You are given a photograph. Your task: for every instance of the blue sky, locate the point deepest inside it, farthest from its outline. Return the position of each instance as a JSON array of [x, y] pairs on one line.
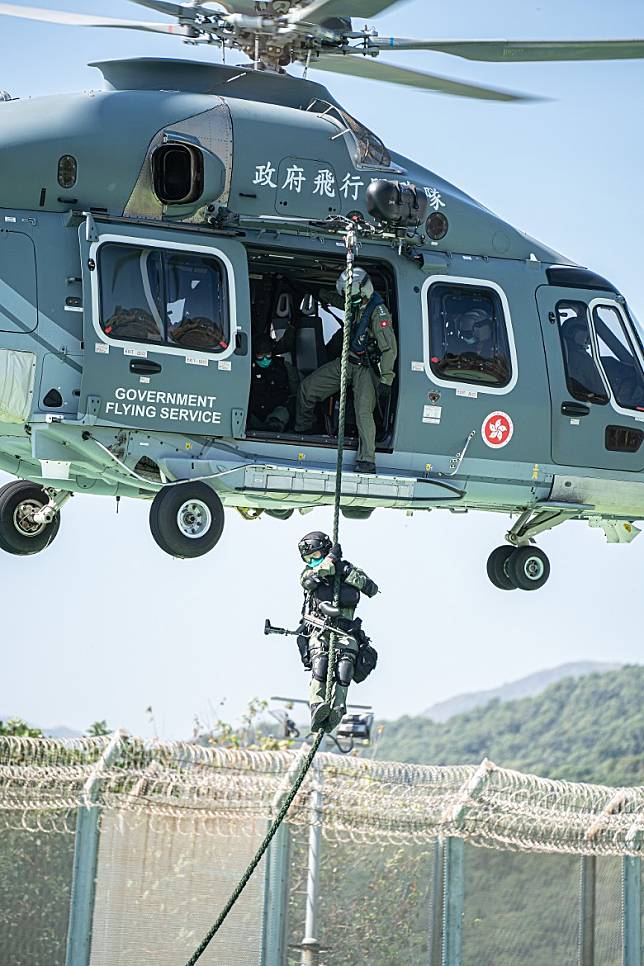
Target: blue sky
[[103, 624]]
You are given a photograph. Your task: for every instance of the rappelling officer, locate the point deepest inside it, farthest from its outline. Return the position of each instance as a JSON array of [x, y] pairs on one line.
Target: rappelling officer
[[323, 561], [371, 373]]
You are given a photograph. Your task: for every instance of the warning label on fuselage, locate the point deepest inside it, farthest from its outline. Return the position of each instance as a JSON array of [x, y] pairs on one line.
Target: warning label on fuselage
[[181, 407]]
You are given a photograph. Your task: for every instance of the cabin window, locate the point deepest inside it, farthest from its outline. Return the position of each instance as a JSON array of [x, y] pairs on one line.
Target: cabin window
[[177, 174], [468, 335], [163, 297], [618, 357], [583, 378]]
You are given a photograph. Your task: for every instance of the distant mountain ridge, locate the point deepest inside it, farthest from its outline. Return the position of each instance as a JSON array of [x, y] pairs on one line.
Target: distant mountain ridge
[[527, 687], [585, 729]]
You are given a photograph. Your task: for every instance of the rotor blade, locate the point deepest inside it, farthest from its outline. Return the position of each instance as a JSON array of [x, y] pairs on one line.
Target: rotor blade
[[372, 70], [83, 20], [165, 6], [518, 50], [320, 10]]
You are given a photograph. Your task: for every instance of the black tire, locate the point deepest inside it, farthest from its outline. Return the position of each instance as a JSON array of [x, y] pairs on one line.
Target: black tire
[[172, 517], [498, 568], [279, 514], [17, 535], [529, 568], [355, 512]]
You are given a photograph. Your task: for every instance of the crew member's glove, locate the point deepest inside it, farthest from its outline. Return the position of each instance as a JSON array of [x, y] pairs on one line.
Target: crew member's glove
[[384, 393], [311, 582], [335, 553]]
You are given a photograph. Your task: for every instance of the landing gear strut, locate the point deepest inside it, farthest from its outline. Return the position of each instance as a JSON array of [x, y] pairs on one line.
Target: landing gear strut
[[29, 517], [519, 565]]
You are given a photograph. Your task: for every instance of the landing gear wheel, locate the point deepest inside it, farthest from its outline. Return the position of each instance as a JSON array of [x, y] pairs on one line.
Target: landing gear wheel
[[355, 512], [280, 514], [19, 532], [528, 568], [187, 521], [498, 568]]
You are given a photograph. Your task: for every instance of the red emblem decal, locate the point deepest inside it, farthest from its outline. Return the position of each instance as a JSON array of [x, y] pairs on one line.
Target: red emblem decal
[[497, 430]]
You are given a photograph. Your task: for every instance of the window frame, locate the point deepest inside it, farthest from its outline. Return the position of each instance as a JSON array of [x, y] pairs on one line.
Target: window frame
[[594, 356], [161, 347], [635, 414], [457, 281]]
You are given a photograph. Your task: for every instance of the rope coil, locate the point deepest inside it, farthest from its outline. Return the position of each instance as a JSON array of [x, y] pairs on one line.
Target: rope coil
[[351, 243]]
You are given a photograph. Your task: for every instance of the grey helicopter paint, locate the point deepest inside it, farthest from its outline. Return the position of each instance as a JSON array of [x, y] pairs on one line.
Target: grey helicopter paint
[[275, 167]]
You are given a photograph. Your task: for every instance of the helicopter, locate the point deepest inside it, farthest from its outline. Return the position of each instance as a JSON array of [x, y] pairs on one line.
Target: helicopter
[[152, 231]]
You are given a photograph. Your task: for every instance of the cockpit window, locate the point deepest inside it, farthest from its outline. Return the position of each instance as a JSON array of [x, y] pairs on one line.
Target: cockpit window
[[619, 358], [372, 152], [170, 298], [468, 336], [583, 378]]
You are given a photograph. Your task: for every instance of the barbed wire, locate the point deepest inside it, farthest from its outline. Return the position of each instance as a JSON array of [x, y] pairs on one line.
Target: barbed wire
[[42, 783]]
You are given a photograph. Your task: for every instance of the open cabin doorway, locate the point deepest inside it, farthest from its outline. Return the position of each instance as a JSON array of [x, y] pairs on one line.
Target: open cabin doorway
[[292, 298]]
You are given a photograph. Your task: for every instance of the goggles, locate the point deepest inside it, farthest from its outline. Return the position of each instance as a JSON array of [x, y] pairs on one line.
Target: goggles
[[314, 555], [264, 358]]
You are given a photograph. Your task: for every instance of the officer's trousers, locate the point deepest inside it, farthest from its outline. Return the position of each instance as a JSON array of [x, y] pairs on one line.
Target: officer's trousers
[[279, 417], [346, 647], [326, 382]]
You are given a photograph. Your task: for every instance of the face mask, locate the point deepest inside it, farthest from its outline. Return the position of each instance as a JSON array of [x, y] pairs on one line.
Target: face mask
[[264, 362], [315, 562]]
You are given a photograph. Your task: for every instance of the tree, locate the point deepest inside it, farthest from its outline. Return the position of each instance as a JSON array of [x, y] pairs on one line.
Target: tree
[[98, 729], [19, 729]]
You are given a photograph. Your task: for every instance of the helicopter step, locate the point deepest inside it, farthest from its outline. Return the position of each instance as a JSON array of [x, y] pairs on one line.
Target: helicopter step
[[29, 517]]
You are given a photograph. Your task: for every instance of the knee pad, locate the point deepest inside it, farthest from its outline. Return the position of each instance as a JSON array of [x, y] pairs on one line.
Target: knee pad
[[344, 670], [321, 668]]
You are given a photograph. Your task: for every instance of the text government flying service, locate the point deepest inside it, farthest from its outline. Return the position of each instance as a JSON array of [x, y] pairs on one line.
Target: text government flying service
[[159, 404]]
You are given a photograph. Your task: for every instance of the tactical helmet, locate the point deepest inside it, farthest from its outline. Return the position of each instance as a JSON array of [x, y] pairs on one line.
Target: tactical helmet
[[263, 345], [575, 331], [470, 323], [362, 284], [315, 542]]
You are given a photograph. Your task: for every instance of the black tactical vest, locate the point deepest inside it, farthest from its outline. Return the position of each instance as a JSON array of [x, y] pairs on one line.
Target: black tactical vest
[[269, 388]]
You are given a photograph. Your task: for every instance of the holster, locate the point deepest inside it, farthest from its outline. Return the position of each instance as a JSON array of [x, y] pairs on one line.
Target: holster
[[303, 646]]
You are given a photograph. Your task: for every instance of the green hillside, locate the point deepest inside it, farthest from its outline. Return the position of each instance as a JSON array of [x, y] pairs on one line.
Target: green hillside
[[589, 729]]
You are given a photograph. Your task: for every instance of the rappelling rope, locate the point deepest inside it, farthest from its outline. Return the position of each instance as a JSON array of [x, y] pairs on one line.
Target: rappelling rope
[[351, 242]]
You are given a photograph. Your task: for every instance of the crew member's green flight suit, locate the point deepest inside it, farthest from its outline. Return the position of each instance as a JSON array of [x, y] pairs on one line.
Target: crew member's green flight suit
[[318, 585], [372, 324]]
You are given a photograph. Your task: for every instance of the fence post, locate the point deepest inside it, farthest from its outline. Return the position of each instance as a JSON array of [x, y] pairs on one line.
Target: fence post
[[311, 942], [276, 878], [587, 910], [276, 898], [436, 931], [81, 908], [453, 901], [632, 910]]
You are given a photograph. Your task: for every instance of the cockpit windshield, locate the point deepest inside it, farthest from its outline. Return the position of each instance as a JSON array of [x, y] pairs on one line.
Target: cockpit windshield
[[619, 357], [371, 150]]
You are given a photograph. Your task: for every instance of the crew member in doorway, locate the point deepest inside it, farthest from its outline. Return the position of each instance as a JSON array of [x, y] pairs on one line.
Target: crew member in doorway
[[354, 657], [273, 388], [371, 370]]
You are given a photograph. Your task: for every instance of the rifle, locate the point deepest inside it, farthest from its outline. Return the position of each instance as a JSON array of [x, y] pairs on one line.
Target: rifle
[[322, 625]]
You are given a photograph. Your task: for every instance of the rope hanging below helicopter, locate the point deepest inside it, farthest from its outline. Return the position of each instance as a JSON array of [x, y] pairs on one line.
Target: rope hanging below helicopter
[[351, 241]]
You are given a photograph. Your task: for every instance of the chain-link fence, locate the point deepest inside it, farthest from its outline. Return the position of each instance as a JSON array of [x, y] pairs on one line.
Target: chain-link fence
[[115, 851]]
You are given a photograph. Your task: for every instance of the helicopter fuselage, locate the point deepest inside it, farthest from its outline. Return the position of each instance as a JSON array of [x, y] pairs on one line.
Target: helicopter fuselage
[[249, 184]]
